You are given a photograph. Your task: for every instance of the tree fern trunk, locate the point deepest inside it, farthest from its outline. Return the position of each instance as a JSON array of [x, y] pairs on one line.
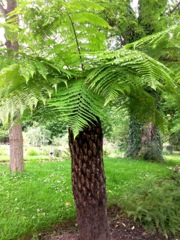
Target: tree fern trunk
[[88, 183], [15, 136]]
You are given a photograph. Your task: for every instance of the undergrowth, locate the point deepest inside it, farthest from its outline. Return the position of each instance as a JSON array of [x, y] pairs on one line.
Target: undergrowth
[[156, 204]]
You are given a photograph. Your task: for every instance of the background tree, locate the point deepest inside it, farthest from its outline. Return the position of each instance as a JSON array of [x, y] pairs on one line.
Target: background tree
[[15, 133], [164, 47], [130, 24]]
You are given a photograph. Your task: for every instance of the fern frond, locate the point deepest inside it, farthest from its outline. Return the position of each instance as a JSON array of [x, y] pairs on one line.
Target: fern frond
[[163, 45], [90, 18], [133, 68], [78, 104], [154, 39], [128, 73], [87, 5], [25, 82], [63, 30]]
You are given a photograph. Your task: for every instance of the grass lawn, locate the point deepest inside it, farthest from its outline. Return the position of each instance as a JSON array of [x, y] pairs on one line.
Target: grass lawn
[[41, 196]]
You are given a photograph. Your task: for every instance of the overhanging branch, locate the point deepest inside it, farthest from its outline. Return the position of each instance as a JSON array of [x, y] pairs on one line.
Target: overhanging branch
[[174, 8]]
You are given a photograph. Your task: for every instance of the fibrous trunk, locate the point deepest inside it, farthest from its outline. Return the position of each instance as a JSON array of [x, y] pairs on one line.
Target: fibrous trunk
[[16, 149], [88, 183], [144, 142]]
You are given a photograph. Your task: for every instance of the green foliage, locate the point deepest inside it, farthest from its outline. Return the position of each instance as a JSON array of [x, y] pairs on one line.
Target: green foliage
[[76, 24], [78, 104], [156, 205], [150, 11], [3, 151], [152, 17], [34, 79], [116, 126], [70, 28], [71, 34], [3, 133], [123, 21], [131, 67], [56, 127], [125, 74], [37, 135], [32, 152], [162, 45]]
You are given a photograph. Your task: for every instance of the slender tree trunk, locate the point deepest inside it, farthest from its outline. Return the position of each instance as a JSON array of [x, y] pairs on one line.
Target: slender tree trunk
[[144, 142], [15, 135], [16, 149], [88, 183]]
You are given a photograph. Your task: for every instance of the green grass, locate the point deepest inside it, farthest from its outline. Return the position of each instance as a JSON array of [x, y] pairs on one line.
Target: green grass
[[41, 196], [28, 158], [34, 200]]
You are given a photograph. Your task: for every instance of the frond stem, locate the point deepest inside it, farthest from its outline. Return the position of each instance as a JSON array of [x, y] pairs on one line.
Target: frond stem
[[76, 39]]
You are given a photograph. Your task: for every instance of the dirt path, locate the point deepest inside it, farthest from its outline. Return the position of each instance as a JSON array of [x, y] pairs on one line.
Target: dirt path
[[121, 227]]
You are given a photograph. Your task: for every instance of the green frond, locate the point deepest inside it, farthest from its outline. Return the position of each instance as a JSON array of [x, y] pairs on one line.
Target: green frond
[[133, 68], [163, 45], [87, 5], [25, 82], [63, 30], [18, 102], [156, 38], [128, 73], [90, 18], [78, 104]]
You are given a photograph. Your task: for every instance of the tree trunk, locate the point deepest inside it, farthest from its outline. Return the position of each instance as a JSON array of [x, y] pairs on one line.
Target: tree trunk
[[134, 138], [16, 149], [88, 183], [144, 142], [15, 135]]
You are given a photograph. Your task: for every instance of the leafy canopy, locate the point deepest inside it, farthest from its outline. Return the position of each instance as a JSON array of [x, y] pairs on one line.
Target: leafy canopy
[[64, 55]]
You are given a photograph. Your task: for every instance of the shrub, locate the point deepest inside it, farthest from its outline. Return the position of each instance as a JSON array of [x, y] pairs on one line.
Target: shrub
[[3, 151], [32, 152], [156, 205], [57, 152]]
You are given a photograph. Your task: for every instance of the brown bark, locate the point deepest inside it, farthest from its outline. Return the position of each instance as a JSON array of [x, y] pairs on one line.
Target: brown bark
[[15, 135], [88, 183], [16, 149], [13, 45]]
